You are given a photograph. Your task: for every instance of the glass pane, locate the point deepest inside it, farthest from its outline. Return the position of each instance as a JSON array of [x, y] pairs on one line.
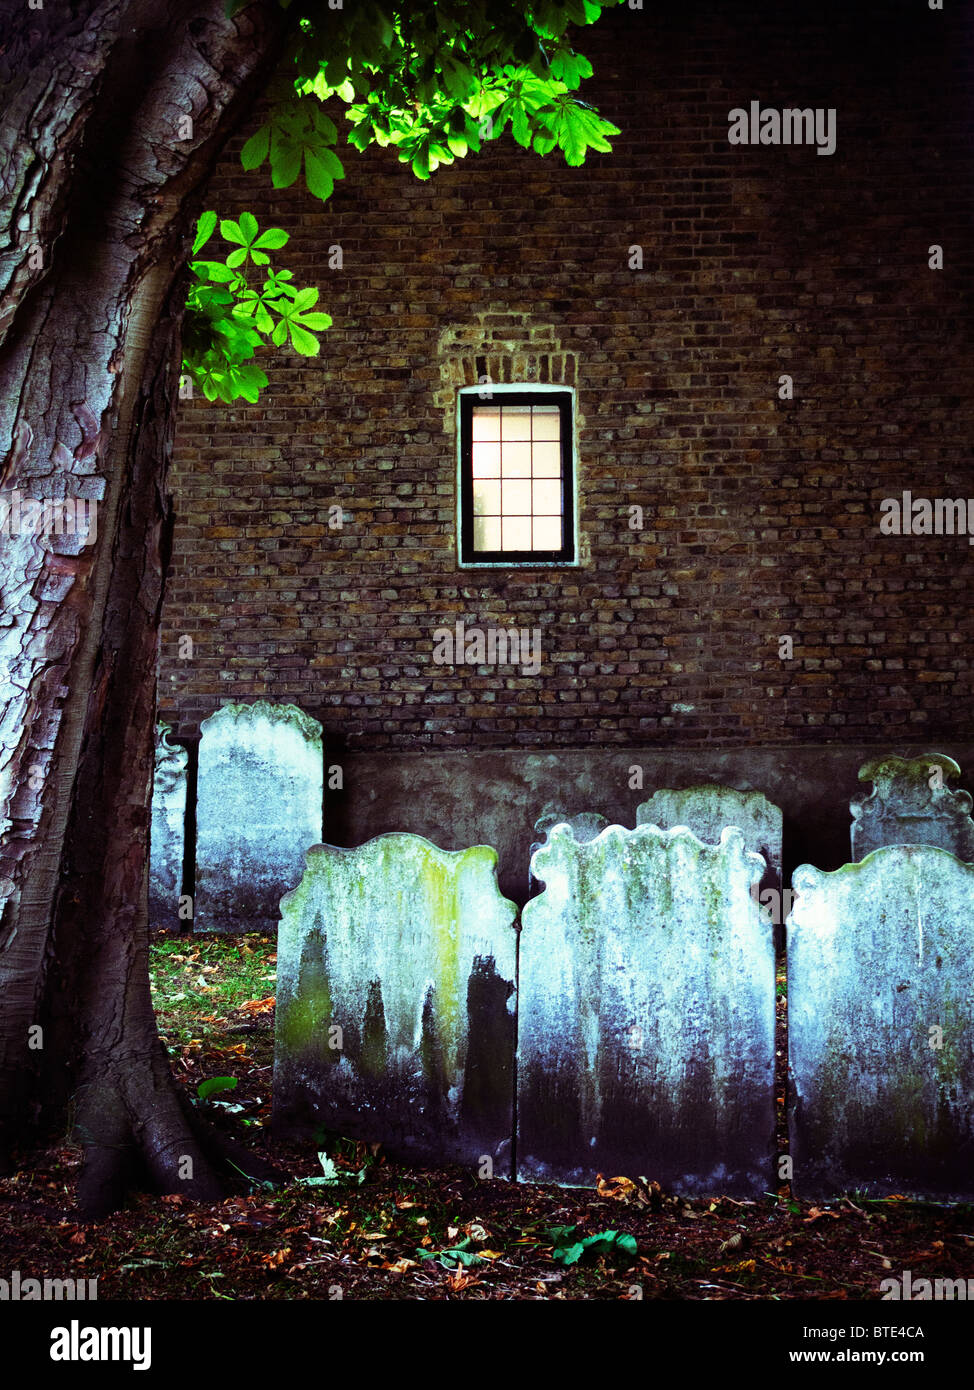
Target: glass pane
[[517, 533], [486, 422], [546, 498], [547, 533], [487, 533], [547, 422], [547, 460], [486, 498], [516, 460], [516, 422], [517, 499], [486, 460]]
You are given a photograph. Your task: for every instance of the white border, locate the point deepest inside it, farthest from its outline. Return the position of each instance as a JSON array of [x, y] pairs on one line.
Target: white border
[[499, 388]]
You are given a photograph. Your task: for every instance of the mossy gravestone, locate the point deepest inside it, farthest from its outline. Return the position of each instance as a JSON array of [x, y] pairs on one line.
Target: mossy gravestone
[[911, 804], [646, 1020], [706, 810], [395, 1001], [880, 1022], [258, 810], [585, 826], [167, 831]]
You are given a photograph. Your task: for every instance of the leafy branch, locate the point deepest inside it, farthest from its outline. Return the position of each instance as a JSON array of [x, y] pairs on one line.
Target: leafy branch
[[228, 318]]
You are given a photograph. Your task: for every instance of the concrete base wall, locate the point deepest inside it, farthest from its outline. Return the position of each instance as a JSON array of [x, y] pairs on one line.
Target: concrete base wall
[[494, 797]]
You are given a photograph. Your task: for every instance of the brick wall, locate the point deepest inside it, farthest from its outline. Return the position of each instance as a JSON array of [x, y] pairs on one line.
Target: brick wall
[[760, 514]]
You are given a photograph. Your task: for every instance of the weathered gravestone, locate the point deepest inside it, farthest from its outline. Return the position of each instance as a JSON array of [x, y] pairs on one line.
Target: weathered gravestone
[[646, 1013], [585, 826], [259, 807], [395, 1000], [706, 810], [880, 1022], [167, 830], [910, 804]]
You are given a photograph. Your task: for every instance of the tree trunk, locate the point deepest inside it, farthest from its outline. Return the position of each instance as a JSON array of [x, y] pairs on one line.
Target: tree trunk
[[99, 197]]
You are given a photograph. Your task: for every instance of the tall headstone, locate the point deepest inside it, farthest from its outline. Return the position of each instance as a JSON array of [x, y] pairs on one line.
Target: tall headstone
[[707, 809], [911, 804], [880, 1021], [259, 808], [646, 1013], [167, 834], [395, 1001]]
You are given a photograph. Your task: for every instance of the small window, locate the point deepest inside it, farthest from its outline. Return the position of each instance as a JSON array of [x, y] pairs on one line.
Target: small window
[[516, 478]]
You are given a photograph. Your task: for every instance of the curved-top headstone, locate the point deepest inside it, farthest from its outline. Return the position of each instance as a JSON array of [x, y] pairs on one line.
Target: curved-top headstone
[[911, 804], [708, 808], [395, 1000], [880, 1021], [259, 808], [167, 834], [646, 1013], [585, 826]]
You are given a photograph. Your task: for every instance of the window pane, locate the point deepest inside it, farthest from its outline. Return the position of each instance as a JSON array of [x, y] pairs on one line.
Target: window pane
[[547, 422], [547, 498], [486, 422], [547, 533], [486, 460], [516, 422], [516, 460], [547, 460], [517, 499], [486, 498], [487, 533], [517, 533]]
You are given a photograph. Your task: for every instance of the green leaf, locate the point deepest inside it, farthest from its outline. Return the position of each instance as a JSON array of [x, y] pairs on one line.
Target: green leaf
[[568, 1250], [216, 1084], [285, 160], [316, 176], [204, 230], [318, 322], [213, 270], [248, 225], [272, 239], [231, 231], [237, 257], [304, 343], [255, 150]]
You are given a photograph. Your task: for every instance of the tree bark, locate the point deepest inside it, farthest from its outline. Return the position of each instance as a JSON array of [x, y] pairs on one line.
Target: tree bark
[[99, 195]]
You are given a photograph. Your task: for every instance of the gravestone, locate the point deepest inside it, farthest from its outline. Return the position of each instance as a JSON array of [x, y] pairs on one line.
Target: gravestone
[[395, 1001], [911, 804], [707, 809], [646, 1013], [259, 808], [880, 1020], [586, 825], [166, 839]]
